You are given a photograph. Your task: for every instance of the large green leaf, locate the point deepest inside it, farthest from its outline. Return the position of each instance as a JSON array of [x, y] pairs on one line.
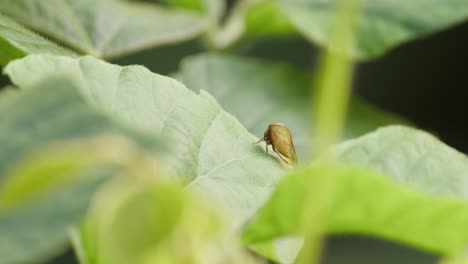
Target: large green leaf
[[420, 200], [105, 28], [260, 93], [17, 42], [56, 150], [383, 24], [209, 148]]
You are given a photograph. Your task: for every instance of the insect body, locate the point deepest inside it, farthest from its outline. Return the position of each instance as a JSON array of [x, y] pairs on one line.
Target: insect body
[[279, 137]]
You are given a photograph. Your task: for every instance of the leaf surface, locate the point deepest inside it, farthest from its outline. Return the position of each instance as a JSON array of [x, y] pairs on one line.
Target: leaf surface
[[17, 42]]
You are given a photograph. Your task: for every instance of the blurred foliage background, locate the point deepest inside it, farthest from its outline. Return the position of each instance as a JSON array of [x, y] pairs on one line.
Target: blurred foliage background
[[423, 81]]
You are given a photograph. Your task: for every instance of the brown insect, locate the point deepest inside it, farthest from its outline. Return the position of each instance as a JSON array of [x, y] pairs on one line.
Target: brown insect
[[279, 137]]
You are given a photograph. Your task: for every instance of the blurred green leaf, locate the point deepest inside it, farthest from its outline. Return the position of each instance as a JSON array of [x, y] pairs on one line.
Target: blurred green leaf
[[105, 28], [258, 13], [188, 4], [145, 222], [214, 8], [259, 93], [43, 173], [37, 231], [383, 24], [56, 151], [17, 42], [421, 200]]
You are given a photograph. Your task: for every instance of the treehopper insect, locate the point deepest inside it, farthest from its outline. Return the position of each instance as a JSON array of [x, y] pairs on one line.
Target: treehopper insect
[[279, 137]]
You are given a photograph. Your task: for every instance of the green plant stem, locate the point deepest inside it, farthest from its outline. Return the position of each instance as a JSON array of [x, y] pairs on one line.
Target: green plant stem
[[334, 79], [331, 103], [314, 216]]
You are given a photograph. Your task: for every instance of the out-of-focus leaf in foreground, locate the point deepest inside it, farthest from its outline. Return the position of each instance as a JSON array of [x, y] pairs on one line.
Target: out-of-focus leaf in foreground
[[136, 221], [17, 42], [56, 151], [420, 200], [259, 93], [383, 24], [105, 28]]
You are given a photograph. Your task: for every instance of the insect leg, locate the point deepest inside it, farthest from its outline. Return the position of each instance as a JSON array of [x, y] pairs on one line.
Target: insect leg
[[266, 148], [274, 149], [279, 154]]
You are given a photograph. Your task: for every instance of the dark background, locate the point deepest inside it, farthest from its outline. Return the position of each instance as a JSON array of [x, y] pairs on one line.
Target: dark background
[[424, 81]]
